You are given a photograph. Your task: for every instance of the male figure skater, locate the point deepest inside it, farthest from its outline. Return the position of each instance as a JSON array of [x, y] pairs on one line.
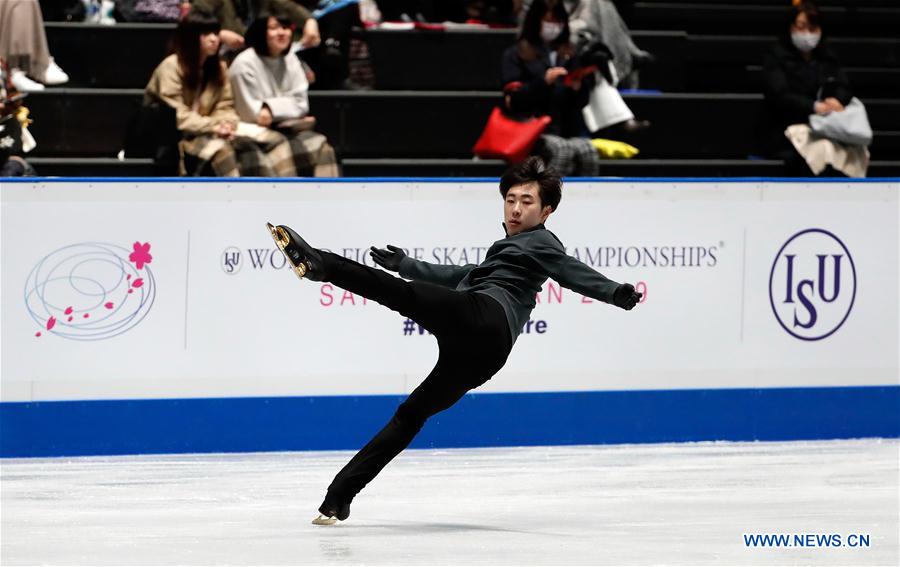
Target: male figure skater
[[475, 312]]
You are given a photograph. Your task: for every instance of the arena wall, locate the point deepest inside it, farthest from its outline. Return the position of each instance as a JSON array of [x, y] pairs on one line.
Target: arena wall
[[156, 316]]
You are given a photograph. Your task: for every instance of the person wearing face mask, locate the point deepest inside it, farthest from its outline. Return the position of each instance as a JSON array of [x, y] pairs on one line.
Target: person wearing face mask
[[540, 61], [599, 20], [540, 74], [801, 77]]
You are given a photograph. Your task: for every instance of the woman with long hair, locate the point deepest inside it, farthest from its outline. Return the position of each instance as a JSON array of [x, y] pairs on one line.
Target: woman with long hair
[[194, 82]]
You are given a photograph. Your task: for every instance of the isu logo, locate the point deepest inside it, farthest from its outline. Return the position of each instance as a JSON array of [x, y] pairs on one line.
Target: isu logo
[[812, 284], [231, 260]]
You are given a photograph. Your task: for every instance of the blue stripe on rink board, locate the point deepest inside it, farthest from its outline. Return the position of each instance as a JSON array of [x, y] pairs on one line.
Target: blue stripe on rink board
[[69, 428]]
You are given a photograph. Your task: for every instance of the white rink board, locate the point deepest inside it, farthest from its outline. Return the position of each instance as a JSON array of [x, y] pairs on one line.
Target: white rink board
[[707, 322]]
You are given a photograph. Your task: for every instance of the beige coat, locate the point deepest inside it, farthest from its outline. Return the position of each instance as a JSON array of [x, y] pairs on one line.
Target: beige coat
[[852, 161], [194, 115]]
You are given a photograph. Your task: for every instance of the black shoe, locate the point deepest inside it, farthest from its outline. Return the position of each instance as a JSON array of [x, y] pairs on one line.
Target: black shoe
[[306, 260]]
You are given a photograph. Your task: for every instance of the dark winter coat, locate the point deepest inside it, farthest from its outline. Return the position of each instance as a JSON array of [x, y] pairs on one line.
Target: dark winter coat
[[792, 85]]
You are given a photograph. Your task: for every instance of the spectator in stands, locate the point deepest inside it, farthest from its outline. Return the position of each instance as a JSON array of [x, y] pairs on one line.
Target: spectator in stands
[[536, 76], [23, 45], [194, 81], [802, 77], [270, 88], [330, 61], [539, 61], [14, 137], [599, 20], [235, 15], [592, 21]]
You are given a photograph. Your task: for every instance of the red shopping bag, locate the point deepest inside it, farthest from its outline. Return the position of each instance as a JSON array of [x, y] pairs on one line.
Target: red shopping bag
[[509, 139]]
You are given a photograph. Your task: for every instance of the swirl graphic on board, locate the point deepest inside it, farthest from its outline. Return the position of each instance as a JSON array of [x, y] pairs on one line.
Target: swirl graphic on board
[[91, 291]]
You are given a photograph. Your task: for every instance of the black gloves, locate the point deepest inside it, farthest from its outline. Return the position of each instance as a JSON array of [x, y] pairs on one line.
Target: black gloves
[[625, 296], [388, 259]]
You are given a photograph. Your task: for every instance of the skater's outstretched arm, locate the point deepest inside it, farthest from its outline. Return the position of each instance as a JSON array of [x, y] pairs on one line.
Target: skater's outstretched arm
[[573, 274], [395, 260]]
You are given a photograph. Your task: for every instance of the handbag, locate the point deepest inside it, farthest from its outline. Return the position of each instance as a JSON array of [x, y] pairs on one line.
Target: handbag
[[509, 139], [850, 126]]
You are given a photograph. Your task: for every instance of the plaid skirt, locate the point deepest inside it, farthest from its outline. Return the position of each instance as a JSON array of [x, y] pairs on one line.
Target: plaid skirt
[[267, 154], [569, 156]]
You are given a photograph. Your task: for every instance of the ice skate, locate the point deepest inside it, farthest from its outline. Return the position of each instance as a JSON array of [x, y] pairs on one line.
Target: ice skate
[[330, 514], [322, 520], [305, 260]]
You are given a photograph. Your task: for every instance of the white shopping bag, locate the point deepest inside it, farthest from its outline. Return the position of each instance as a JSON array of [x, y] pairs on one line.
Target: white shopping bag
[[605, 106]]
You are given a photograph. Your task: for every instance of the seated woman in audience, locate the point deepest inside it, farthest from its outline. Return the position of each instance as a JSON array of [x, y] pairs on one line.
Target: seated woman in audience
[[536, 76], [599, 20], [271, 91], [195, 83], [803, 78]]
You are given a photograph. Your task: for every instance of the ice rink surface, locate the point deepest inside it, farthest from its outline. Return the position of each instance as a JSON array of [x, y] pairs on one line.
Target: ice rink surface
[[578, 505]]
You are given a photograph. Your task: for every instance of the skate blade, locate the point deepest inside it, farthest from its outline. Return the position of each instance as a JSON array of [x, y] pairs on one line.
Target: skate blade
[[324, 521], [281, 240]]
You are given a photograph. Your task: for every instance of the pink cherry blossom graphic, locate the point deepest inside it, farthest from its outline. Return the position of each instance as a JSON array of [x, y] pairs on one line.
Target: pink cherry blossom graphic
[[141, 255], [99, 278]]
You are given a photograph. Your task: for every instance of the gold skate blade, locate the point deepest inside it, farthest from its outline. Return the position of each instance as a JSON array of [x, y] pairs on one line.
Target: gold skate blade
[[282, 239], [279, 235], [324, 521]]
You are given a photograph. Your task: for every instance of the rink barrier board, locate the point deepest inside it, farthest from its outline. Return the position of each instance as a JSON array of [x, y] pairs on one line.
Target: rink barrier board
[[176, 422], [161, 426]]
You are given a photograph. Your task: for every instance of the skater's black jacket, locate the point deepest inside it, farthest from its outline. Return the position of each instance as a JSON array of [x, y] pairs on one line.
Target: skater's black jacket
[[513, 272]]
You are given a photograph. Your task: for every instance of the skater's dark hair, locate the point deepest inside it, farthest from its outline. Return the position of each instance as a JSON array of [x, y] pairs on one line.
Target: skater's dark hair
[[534, 169], [256, 36], [186, 45]]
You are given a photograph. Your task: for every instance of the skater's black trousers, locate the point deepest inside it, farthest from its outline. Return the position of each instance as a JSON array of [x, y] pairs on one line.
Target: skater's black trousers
[[473, 341]]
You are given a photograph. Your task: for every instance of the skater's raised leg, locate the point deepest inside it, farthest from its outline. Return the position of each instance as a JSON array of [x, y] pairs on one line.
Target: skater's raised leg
[[431, 306]]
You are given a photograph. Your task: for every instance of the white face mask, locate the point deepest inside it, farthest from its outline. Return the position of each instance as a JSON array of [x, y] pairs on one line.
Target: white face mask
[[550, 31], [805, 41]]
